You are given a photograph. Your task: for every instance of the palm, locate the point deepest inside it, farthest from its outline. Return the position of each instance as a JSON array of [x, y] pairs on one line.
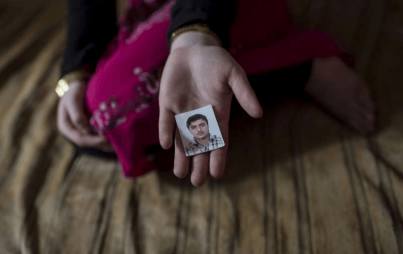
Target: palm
[[193, 78]]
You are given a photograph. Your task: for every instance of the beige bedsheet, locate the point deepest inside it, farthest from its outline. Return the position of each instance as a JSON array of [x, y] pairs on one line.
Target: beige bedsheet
[[296, 180]]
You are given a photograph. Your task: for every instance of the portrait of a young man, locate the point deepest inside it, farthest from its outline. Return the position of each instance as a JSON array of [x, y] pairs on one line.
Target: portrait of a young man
[[203, 140]]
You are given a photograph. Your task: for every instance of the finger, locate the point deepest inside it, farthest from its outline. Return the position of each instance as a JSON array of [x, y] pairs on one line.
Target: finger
[[61, 115], [87, 140], [244, 92], [181, 162], [200, 164], [107, 148], [166, 125], [218, 159], [78, 117], [69, 131]]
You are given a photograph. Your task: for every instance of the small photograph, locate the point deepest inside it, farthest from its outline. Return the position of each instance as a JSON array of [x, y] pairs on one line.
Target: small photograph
[[199, 131]]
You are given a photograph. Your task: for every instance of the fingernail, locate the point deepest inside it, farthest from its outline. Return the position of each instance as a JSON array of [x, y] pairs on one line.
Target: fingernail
[[181, 176]]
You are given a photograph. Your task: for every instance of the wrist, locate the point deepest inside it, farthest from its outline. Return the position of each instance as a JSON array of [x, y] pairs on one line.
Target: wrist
[[77, 83], [194, 38], [73, 78]]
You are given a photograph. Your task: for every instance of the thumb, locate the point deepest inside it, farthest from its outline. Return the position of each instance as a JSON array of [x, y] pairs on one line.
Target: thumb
[[78, 118], [244, 93]]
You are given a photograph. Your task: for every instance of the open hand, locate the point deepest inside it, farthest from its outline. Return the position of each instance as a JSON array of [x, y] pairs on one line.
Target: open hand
[[194, 77]]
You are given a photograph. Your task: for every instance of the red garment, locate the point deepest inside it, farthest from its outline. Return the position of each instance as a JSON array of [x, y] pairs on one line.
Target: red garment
[[122, 96]]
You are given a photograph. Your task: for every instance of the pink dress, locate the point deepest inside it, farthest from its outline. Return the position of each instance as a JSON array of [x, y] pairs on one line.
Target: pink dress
[[122, 95]]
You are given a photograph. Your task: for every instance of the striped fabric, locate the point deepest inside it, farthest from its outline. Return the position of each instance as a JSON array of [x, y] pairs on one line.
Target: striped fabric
[[300, 183], [194, 147]]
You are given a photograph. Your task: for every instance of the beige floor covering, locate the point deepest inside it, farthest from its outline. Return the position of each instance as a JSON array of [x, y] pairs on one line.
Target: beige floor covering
[[296, 180]]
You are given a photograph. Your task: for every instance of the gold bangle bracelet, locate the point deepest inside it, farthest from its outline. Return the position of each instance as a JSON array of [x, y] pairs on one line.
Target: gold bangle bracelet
[[63, 83], [203, 28]]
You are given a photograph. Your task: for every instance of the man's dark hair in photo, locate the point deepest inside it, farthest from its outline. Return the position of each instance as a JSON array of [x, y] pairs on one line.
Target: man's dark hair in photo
[[195, 118]]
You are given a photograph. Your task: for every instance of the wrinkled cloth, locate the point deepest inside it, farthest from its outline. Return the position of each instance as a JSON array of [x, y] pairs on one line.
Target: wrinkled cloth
[[92, 24]]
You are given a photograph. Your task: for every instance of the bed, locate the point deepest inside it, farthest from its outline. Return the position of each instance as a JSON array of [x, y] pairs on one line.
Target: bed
[[299, 183]]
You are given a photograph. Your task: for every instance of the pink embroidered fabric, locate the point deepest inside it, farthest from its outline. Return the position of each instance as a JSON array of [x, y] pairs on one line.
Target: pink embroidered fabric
[[122, 95]]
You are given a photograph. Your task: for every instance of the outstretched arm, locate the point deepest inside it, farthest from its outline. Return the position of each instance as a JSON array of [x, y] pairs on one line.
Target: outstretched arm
[[199, 72]]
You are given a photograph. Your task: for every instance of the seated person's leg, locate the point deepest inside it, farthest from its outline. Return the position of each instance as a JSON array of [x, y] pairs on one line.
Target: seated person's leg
[[343, 93], [278, 84], [330, 82]]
